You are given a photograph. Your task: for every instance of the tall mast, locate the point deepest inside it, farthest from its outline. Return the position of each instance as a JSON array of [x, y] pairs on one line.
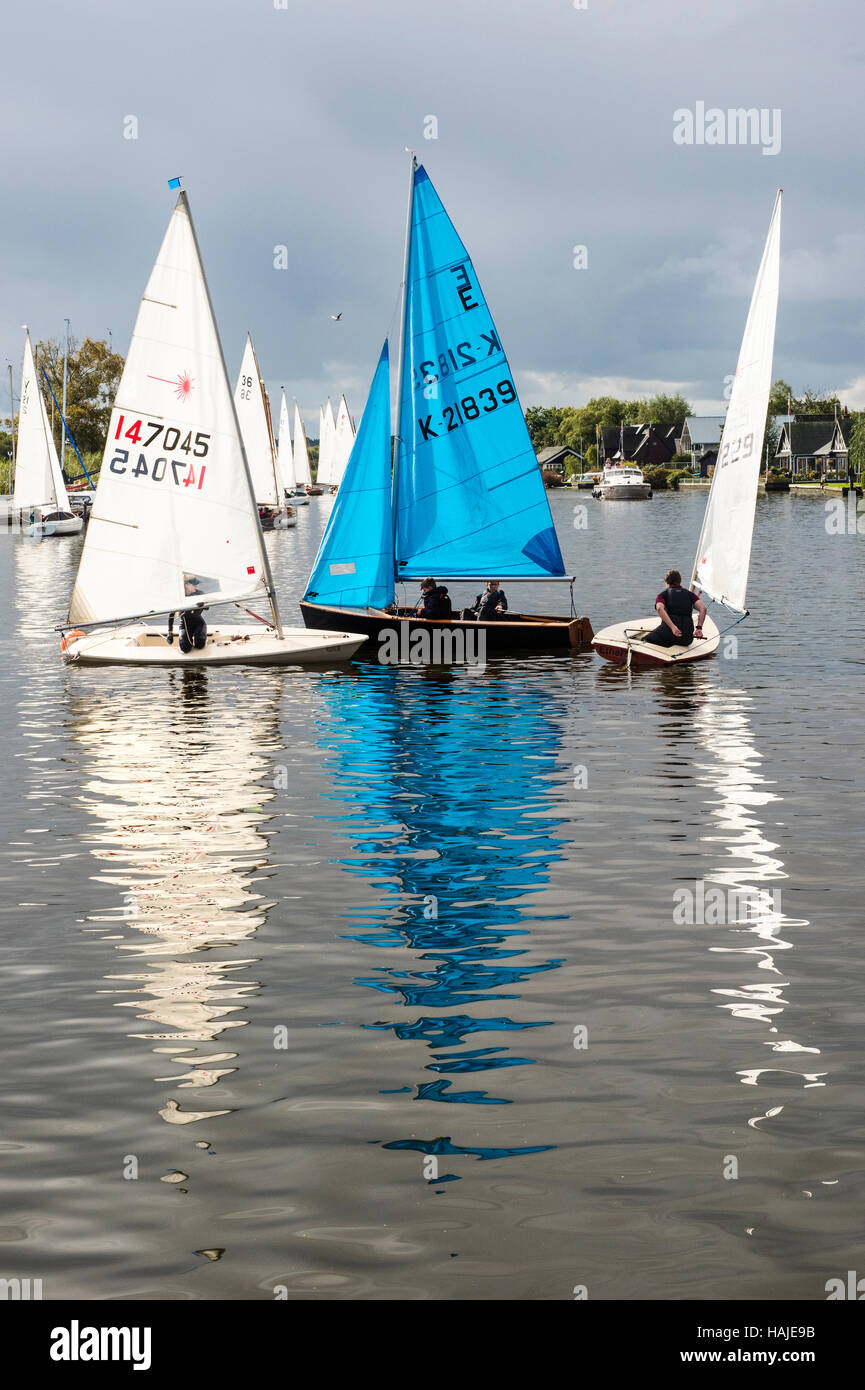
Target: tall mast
[[401, 361], [63, 431], [262, 551], [12, 422]]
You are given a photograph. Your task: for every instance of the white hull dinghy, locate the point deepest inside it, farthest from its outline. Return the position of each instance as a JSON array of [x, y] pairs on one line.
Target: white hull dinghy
[[40, 502], [622, 643], [175, 527], [723, 554], [227, 644]]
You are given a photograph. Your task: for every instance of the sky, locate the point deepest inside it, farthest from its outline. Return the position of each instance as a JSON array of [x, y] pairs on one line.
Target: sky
[[545, 126]]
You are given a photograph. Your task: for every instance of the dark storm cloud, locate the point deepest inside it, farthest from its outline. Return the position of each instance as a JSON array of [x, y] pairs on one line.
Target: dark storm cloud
[[555, 129]]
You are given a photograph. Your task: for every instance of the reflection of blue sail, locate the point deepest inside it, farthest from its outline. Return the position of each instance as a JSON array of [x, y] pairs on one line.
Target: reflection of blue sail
[[471, 499], [417, 796], [354, 564]]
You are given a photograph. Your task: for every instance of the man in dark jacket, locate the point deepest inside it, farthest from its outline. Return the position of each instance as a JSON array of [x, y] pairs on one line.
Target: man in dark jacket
[[675, 606], [491, 604], [434, 601]]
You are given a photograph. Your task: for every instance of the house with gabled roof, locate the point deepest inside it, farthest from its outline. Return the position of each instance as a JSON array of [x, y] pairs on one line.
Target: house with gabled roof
[[815, 444], [699, 434], [648, 445]]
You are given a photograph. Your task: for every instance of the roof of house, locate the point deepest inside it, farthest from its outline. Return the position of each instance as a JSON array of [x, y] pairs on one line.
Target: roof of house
[[705, 429], [813, 436], [556, 451]]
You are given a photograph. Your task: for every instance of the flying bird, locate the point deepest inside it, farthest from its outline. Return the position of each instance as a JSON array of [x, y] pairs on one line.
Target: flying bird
[[336, 317]]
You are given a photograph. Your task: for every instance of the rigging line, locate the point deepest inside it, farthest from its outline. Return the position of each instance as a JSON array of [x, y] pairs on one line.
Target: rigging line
[[68, 430]]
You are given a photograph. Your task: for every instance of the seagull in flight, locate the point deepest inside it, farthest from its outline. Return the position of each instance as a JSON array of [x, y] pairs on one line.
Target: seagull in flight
[[336, 317]]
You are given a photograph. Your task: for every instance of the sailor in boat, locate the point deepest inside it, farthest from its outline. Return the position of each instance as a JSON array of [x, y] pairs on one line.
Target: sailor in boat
[[491, 604], [675, 606], [193, 628], [434, 601]]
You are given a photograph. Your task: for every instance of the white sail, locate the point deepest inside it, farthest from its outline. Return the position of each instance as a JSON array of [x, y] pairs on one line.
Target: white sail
[[724, 552], [252, 413], [35, 478], [285, 458], [326, 441], [343, 440], [174, 505], [301, 454], [60, 496]]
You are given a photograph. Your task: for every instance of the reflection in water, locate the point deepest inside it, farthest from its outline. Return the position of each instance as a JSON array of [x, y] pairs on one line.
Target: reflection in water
[[454, 838], [174, 788], [752, 869]]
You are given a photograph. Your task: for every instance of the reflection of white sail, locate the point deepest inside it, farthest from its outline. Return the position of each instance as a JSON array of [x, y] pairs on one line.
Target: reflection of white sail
[[750, 875], [176, 805]]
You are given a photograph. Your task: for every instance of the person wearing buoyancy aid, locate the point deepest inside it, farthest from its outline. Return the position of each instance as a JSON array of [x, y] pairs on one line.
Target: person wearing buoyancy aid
[[675, 607], [434, 601]]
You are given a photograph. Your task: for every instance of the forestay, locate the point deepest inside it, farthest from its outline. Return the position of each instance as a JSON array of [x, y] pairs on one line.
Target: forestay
[[284, 457], [252, 414], [301, 453], [470, 496], [173, 508], [354, 564], [36, 472], [724, 551]]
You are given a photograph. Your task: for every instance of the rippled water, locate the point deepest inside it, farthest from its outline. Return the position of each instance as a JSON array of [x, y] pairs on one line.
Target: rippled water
[[307, 952]]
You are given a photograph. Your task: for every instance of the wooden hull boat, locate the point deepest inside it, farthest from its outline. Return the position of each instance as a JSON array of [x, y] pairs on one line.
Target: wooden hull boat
[[528, 632], [620, 643], [314, 491], [138, 644]]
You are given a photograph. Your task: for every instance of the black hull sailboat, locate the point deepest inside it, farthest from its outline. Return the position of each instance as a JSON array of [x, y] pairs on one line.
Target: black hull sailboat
[[462, 499], [519, 632]]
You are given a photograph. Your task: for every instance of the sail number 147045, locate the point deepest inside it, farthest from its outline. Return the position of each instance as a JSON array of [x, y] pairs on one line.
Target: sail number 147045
[[146, 434]]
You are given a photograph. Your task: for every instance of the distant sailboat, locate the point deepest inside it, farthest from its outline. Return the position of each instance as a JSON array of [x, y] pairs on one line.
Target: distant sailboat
[[724, 548], [301, 456], [325, 473], [175, 526], [344, 434], [468, 501], [39, 498], [253, 413], [285, 459]]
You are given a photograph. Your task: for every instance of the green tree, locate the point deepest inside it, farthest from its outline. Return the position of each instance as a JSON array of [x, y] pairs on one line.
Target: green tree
[[662, 410], [857, 444], [544, 422], [93, 376]]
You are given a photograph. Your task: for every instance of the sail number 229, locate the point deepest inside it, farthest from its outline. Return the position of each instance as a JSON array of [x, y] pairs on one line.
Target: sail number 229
[[736, 450]]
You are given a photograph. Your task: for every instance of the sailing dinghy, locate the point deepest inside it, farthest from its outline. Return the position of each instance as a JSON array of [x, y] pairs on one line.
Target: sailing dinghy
[[344, 434], [723, 554], [301, 457], [253, 413], [175, 524], [467, 501], [285, 460], [39, 497], [325, 472]]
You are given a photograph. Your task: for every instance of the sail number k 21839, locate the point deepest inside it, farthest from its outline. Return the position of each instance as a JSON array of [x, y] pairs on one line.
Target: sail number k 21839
[[469, 408]]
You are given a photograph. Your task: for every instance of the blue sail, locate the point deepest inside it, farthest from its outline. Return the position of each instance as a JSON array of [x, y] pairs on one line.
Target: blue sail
[[354, 564], [470, 497]]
